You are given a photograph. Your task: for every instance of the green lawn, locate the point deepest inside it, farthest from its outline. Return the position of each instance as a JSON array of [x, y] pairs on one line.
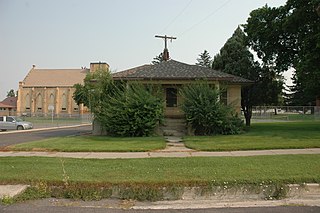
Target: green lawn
[[163, 171], [93, 144], [284, 135], [39, 120]]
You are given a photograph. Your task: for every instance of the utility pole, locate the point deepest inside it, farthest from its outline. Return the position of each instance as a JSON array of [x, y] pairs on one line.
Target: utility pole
[[165, 55]]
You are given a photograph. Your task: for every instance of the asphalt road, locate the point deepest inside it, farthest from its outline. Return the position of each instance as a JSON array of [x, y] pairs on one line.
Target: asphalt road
[[25, 136], [24, 208]]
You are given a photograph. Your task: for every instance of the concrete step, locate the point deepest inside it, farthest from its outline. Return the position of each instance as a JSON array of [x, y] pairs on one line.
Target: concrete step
[[174, 127], [170, 121], [172, 139], [173, 133], [176, 144], [179, 129]]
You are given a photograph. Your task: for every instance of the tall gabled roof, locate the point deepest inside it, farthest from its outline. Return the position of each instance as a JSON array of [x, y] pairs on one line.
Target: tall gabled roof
[[174, 70], [54, 77]]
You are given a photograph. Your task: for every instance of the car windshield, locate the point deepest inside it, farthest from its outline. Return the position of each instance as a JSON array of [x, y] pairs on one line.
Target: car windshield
[[18, 119]]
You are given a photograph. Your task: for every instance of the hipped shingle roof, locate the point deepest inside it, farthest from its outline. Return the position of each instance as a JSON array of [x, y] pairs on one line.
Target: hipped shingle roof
[[174, 70]]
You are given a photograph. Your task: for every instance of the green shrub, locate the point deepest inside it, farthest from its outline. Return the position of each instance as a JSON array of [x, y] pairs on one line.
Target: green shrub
[[131, 110], [206, 114], [123, 109]]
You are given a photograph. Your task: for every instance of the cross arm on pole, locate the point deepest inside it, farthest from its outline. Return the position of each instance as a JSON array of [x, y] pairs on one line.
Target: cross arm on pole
[[165, 37]]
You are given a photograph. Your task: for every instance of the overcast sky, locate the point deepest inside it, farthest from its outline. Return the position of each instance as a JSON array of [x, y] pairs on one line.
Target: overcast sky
[[73, 33]]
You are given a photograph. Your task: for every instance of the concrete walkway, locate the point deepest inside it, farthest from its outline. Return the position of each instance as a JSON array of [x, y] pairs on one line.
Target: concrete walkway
[[175, 148], [176, 152]]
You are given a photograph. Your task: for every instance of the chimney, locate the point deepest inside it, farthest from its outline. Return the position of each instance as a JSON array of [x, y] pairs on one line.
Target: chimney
[[94, 66], [165, 55], [33, 66]]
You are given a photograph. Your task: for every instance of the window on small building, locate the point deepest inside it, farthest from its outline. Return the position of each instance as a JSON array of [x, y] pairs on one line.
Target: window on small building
[[224, 97], [171, 97]]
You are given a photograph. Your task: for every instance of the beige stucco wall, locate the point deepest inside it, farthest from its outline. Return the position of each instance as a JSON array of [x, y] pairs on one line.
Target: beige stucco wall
[[234, 97], [233, 94], [174, 112]]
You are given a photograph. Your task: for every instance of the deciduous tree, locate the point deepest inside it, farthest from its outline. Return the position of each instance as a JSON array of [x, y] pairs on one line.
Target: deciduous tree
[[289, 36]]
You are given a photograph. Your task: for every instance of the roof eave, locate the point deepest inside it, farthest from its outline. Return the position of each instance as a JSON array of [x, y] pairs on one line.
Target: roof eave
[[174, 78]]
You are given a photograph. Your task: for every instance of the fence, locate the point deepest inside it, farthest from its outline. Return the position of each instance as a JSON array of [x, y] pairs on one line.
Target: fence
[[44, 121], [286, 112]]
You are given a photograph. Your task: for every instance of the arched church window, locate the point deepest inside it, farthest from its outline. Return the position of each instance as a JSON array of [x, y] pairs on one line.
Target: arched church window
[[51, 100], [39, 102], [75, 106], [28, 105], [64, 102]]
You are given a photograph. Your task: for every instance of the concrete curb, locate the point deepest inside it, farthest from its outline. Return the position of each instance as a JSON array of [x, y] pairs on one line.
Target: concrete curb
[[206, 204], [307, 194], [43, 129]]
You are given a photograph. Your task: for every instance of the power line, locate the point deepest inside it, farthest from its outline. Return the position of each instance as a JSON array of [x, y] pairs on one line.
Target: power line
[[175, 18], [204, 19]]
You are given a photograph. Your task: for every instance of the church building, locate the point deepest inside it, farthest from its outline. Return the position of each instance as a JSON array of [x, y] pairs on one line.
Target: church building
[[45, 90]]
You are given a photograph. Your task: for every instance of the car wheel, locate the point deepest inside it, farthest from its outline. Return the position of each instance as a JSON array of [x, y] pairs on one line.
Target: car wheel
[[20, 128]]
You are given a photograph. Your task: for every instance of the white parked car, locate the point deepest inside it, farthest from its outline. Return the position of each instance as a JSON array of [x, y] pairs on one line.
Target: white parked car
[[13, 122]]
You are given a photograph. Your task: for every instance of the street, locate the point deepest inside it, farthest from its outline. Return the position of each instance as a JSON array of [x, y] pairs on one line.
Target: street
[[26, 208], [27, 136]]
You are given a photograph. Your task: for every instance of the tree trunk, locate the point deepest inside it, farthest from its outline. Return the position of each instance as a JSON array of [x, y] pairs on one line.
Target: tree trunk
[[248, 121], [247, 114]]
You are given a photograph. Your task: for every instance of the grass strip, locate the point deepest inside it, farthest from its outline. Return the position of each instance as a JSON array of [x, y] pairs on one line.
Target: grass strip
[[262, 136], [93, 144], [162, 171]]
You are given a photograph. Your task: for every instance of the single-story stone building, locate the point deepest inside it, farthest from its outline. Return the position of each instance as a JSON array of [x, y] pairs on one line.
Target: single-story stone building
[[171, 75]]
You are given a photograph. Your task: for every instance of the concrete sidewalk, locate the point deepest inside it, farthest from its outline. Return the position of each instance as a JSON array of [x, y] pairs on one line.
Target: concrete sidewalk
[[160, 153]]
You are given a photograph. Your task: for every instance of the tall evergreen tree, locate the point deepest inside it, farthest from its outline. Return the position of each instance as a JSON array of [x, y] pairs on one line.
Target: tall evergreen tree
[[11, 93], [158, 59], [235, 58], [204, 59]]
